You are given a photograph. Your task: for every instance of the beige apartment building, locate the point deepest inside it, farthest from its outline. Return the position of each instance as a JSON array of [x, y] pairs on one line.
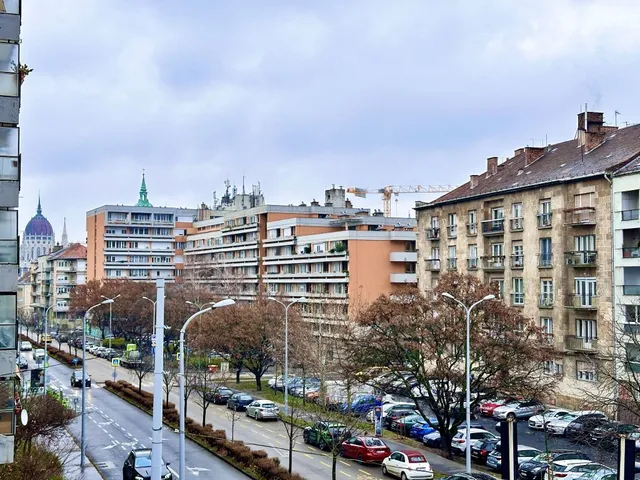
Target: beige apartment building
[[336, 256], [539, 225]]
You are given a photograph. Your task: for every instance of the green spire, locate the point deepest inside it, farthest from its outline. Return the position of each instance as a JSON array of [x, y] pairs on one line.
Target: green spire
[[143, 201]]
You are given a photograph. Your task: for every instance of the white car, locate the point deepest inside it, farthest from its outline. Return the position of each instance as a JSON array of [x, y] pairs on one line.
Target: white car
[[407, 464], [385, 407], [558, 426], [517, 410], [537, 422], [25, 346], [571, 469], [38, 355], [262, 410], [459, 440]]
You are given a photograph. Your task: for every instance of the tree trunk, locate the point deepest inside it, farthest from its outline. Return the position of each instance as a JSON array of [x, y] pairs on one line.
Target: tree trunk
[[139, 384], [167, 391], [258, 382], [185, 400], [291, 433], [333, 467], [238, 370], [204, 413]]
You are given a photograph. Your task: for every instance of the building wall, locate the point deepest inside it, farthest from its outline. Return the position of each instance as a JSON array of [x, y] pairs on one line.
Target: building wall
[[569, 351]]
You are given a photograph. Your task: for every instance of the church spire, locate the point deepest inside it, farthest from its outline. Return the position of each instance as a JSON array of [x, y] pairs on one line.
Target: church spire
[[143, 201], [65, 238], [39, 210]]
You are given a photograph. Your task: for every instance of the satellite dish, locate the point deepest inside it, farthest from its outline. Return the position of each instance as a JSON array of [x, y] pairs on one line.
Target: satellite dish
[[24, 417]]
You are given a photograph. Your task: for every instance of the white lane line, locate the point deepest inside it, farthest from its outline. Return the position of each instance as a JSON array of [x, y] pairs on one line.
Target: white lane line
[[123, 447], [116, 424], [110, 436], [172, 471], [135, 439]]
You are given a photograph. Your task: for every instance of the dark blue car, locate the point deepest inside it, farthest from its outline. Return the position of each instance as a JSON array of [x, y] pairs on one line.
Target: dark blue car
[[421, 429], [360, 405], [239, 401]]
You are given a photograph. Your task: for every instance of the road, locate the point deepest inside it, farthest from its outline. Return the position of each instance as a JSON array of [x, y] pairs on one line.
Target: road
[[114, 427]]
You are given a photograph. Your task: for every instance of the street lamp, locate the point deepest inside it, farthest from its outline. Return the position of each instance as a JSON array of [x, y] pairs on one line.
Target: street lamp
[[222, 303], [83, 436], [46, 338], [468, 372], [153, 329], [110, 315], [285, 380]]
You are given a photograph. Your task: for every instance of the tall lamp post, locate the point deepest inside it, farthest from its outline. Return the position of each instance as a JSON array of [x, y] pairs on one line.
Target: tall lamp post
[[285, 380], [110, 316], [83, 436], [222, 303], [46, 334], [154, 311], [468, 372]]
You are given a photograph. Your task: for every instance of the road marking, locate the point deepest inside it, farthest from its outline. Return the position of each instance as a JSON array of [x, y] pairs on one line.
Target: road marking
[[135, 440], [110, 436], [307, 455], [175, 474], [281, 435], [123, 447], [325, 464], [345, 463], [364, 471], [346, 474], [116, 424]]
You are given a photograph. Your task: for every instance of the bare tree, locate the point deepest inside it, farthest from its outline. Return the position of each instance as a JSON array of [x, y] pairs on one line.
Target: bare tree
[[169, 378], [233, 415], [206, 385], [142, 369], [292, 422]]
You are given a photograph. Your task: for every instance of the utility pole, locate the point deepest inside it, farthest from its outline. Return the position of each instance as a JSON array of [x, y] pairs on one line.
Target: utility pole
[[110, 317], [156, 442]]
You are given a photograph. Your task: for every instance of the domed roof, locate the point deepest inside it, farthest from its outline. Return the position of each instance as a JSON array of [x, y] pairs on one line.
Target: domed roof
[[39, 225]]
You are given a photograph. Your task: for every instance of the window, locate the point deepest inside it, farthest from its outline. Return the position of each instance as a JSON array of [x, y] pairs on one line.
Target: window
[[9, 251], [518, 291], [339, 288], [497, 213], [435, 253], [273, 233], [517, 254], [544, 217], [473, 256], [551, 367], [585, 243], [586, 329], [516, 216], [435, 222], [546, 293], [452, 257], [410, 246], [497, 252], [8, 311], [585, 292], [632, 313], [546, 323], [453, 225], [584, 200], [545, 258], [286, 232], [500, 284], [586, 371], [472, 225]]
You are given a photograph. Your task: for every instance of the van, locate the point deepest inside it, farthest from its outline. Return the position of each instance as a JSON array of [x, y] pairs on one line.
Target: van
[[46, 338]]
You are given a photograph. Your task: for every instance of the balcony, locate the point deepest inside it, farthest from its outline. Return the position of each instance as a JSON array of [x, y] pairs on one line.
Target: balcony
[[493, 263], [586, 258], [403, 278], [432, 234], [517, 261], [452, 264], [579, 344], [472, 229], [576, 217], [546, 300], [631, 289], [544, 220], [631, 328], [493, 227], [517, 224], [472, 263], [546, 339], [545, 260], [581, 302], [452, 231], [403, 257], [517, 299], [433, 264], [628, 215], [630, 252]]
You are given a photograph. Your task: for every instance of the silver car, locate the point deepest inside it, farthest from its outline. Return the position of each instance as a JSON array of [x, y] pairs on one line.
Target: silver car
[[262, 410]]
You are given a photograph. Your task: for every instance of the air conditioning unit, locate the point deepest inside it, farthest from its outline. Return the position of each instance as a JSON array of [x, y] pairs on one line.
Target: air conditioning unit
[[571, 261]]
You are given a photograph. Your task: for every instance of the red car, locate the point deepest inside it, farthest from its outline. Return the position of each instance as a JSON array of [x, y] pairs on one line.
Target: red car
[[487, 408], [365, 449]]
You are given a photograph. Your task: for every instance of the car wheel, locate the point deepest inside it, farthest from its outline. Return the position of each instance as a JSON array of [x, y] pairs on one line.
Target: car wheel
[[384, 470], [305, 437], [511, 416], [259, 416], [322, 445], [359, 459], [403, 476]]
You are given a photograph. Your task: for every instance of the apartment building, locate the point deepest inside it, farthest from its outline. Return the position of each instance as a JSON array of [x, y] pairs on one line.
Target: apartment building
[[334, 255], [539, 226], [139, 242]]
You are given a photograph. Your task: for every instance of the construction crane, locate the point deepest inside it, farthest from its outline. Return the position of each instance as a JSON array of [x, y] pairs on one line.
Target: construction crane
[[390, 190]]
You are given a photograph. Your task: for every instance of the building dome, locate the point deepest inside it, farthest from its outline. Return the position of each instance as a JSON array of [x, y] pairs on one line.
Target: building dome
[[39, 225]]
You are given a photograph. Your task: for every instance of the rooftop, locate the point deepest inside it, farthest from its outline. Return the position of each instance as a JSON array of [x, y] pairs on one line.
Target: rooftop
[[73, 251]]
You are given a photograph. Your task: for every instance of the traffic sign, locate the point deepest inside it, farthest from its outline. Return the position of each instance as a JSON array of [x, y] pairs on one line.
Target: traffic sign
[[115, 362], [75, 360]]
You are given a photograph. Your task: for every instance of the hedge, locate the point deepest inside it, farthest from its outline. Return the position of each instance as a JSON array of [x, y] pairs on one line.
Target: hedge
[[118, 343], [215, 441], [56, 353]]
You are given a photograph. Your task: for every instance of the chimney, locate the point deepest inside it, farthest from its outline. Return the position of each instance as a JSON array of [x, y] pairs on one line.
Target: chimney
[[473, 181], [518, 152], [591, 129], [531, 154], [348, 203], [315, 203], [492, 166]]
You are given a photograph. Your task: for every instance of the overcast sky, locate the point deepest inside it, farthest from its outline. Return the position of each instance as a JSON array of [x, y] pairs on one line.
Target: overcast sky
[[299, 95]]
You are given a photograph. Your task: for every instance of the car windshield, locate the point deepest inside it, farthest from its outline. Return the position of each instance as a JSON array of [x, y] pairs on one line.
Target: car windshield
[[569, 418], [268, 405], [143, 462], [542, 457], [336, 431], [244, 397], [417, 459], [374, 442]]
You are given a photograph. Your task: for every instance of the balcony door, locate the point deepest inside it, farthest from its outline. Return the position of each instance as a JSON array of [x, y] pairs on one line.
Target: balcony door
[[585, 246], [586, 291], [497, 255], [587, 330]]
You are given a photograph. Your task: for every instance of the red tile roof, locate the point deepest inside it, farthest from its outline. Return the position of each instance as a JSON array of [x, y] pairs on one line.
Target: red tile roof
[[561, 162], [73, 251], [25, 277]]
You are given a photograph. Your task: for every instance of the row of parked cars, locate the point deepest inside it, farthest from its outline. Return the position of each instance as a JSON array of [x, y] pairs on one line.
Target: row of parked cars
[[103, 352]]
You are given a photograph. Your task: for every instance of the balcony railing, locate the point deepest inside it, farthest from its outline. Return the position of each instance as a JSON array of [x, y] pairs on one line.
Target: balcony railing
[[546, 338], [517, 299], [546, 300], [494, 262], [544, 220], [579, 344], [630, 252], [632, 328], [517, 261], [493, 227], [452, 231], [585, 258], [452, 264], [545, 260], [517, 224], [433, 264], [628, 215], [581, 301], [472, 228], [472, 263], [580, 216], [631, 289], [433, 233]]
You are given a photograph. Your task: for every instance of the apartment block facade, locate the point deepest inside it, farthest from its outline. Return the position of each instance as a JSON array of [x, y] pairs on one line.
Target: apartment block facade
[[538, 225], [139, 242], [334, 255]]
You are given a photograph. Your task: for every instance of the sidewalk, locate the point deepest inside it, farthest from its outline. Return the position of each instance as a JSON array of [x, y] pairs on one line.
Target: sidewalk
[[69, 453]]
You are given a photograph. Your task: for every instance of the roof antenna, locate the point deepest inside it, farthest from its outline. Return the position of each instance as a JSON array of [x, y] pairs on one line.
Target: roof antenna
[[615, 116]]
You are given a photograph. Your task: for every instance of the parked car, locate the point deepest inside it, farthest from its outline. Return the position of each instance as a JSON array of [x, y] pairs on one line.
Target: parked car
[[38, 355], [360, 404], [608, 434], [22, 363], [559, 426], [262, 410], [76, 379], [403, 425], [481, 450], [25, 346], [137, 466], [538, 422], [535, 468], [99, 351], [239, 401], [517, 410], [422, 428], [433, 439], [487, 407], [494, 459], [219, 396], [324, 434], [407, 464], [459, 440], [470, 476], [386, 407], [365, 449], [570, 469], [396, 414], [579, 429], [604, 473]]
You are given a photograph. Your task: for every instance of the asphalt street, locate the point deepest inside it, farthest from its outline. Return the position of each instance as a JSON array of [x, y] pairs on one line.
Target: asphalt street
[[114, 427]]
